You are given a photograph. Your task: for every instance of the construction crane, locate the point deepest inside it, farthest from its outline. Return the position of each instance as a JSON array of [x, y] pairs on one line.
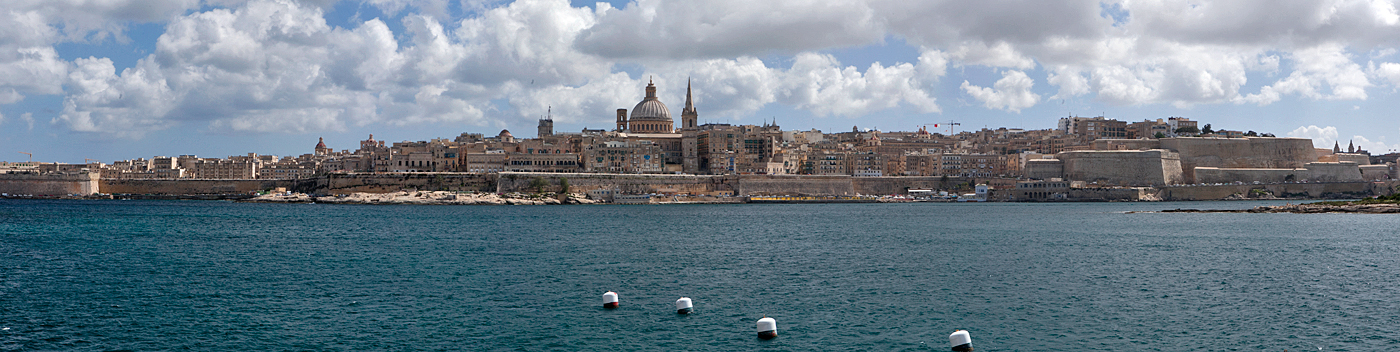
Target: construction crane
[[31, 156], [949, 124]]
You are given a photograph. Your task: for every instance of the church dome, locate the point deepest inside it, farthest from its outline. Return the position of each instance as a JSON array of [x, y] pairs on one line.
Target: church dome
[[651, 108]]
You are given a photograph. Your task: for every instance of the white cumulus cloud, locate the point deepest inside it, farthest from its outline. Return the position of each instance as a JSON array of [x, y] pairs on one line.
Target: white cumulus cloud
[[1011, 93], [1322, 137]]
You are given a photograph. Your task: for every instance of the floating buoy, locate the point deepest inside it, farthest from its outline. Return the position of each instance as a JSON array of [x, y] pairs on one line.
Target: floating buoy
[[961, 341], [610, 300], [683, 305], [767, 328]]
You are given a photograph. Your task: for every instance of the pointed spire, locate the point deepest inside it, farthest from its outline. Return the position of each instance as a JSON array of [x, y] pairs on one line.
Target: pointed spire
[[688, 104]]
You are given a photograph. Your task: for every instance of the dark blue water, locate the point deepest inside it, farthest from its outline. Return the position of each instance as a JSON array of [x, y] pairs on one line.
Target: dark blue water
[[189, 275]]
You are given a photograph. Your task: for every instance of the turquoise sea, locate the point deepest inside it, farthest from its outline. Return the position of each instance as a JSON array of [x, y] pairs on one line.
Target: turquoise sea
[[222, 276]]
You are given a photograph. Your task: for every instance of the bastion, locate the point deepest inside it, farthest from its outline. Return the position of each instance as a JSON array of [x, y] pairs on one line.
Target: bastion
[[1153, 167]]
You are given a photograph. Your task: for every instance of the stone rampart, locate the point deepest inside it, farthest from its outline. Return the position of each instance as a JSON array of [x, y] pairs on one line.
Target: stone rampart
[[1127, 144], [1218, 175], [1359, 159], [795, 185], [1291, 190], [1333, 172], [1122, 167], [899, 185], [1375, 172], [83, 183], [1044, 169], [189, 186], [739, 185], [1250, 152], [345, 183], [1112, 194], [622, 183]]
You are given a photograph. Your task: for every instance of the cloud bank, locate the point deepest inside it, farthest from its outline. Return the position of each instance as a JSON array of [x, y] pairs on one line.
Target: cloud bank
[[258, 66]]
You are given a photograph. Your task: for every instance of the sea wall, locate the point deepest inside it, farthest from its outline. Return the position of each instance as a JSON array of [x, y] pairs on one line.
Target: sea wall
[[622, 183], [795, 185], [1292, 190], [189, 186], [739, 185], [1218, 175], [345, 183], [81, 183]]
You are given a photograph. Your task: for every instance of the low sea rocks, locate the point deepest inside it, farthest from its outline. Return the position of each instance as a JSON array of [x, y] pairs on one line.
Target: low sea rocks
[[1310, 208]]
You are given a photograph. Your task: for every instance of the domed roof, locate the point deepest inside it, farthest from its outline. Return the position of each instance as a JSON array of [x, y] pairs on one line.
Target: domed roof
[[504, 133], [321, 143], [651, 108]]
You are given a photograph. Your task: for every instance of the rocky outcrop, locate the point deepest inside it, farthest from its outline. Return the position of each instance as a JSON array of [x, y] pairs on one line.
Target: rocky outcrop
[[1312, 208]]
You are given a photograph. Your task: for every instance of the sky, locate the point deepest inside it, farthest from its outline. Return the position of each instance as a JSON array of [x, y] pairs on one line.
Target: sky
[[122, 79]]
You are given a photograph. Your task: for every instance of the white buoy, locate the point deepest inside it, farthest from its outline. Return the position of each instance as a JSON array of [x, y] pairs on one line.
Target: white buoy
[[683, 306], [610, 300], [767, 328], [961, 341]]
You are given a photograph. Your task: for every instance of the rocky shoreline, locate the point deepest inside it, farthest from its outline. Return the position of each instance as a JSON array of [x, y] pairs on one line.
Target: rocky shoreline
[[1311, 208], [424, 198]]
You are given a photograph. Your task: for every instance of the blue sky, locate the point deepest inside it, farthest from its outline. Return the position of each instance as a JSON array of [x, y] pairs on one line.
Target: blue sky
[[123, 79]]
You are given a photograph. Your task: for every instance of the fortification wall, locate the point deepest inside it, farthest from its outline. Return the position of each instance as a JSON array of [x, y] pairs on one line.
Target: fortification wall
[[1375, 172], [1127, 144], [895, 185], [744, 185], [1043, 169], [1310, 190], [1219, 175], [189, 186], [1112, 194], [49, 185], [1359, 159], [1250, 152], [1122, 167], [344, 183], [796, 185], [1333, 172], [623, 183]]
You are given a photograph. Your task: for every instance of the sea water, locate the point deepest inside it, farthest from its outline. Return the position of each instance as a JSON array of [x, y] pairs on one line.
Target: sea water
[[211, 275]]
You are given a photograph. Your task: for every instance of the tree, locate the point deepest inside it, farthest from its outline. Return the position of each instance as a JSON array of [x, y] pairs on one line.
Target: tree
[[1251, 134], [1188, 130], [1159, 135], [1207, 130], [1270, 135], [563, 185], [538, 184]]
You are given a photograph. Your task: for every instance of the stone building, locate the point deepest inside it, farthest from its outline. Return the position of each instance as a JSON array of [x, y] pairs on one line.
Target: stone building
[[619, 155]]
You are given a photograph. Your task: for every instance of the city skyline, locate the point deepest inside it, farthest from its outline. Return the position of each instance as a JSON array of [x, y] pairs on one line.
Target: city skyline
[[136, 79]]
